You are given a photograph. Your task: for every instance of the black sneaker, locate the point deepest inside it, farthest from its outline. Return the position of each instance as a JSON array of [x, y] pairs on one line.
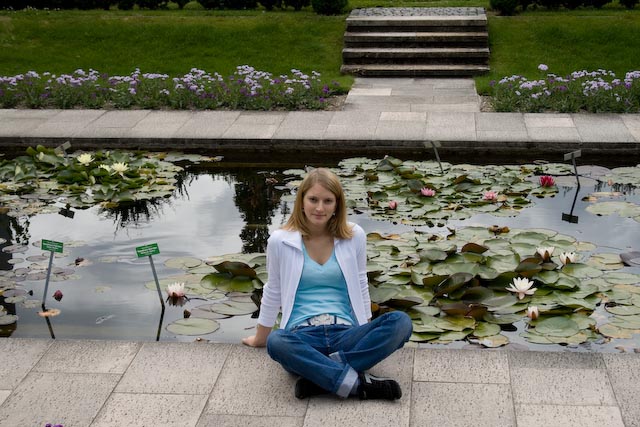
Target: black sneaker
[[372, 387], [306, 388]]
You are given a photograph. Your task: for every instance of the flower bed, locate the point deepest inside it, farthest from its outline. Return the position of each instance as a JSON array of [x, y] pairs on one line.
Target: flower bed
[[246, 89], [581, 91]]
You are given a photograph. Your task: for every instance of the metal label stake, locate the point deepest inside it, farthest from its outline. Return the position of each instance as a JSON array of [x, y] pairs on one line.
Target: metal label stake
[[434, 145], [150, 250], [53, 247], [573, 156]]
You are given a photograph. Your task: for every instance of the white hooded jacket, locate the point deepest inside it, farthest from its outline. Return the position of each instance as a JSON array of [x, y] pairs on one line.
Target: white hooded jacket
[[284, 267]]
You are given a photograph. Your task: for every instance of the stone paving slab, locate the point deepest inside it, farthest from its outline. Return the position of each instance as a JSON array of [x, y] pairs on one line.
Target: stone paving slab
[[461, 366], [564, 386], [208, 124], [252, 384], [3, 395], [209, 420], [405, 130], [174, 368], [459, 405], [140, 410], [203, 384], [602, 128], [18, 357], [332, 411], [89, 356], [568, 416], [58, 397], [624, 373]]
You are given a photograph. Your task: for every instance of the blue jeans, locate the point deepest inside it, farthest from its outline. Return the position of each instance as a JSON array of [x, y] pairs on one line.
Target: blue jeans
[[331, 356]]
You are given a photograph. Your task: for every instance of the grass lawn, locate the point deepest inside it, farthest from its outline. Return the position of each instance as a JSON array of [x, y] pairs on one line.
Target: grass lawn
[[173, 41], [566, 41]]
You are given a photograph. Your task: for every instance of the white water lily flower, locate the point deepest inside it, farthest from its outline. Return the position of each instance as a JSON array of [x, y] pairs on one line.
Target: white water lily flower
[[532, 312], [175, 290], [522, 287], [545, 252], [567, 257], [85, 159], [105, 167], [120, 167]]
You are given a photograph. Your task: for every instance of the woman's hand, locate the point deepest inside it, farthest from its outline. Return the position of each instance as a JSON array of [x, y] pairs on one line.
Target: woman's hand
[[253, 341], [259, 339]]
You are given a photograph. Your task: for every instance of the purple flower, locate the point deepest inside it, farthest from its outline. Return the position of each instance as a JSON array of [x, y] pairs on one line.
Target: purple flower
[[543, 67]]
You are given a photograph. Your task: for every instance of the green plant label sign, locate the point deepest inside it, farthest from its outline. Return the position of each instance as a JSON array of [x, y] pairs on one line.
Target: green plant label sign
[[50, 245], [148, 250]]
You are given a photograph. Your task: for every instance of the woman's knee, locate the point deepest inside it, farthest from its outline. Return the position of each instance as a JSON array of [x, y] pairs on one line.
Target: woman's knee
[[402, 322], [275, 343]]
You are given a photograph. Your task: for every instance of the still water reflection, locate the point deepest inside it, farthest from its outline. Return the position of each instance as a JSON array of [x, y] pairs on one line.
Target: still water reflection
[[214, 213]]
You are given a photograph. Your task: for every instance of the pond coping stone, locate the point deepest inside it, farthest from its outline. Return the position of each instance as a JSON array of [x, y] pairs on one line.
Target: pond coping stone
[[204, 383]]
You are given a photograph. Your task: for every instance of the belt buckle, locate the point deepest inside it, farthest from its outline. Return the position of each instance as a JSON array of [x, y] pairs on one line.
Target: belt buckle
[[321, 319]]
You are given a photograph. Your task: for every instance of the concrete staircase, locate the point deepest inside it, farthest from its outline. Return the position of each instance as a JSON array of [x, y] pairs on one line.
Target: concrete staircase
[[414, 42]]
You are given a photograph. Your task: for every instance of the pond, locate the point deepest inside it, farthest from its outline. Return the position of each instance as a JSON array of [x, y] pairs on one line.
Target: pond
[[221, 211]]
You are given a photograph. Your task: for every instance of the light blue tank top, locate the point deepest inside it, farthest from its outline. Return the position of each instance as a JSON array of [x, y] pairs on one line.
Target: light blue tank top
[[322, 289]]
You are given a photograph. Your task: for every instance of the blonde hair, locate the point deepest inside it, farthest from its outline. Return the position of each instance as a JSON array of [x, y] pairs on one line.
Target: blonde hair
[[337, 225]]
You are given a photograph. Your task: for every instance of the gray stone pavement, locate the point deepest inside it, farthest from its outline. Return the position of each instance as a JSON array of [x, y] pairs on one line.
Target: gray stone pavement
[[118, 383], [379, 116]]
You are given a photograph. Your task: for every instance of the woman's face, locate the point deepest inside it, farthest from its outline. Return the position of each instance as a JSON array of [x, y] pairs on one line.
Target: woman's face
[[319, 205]]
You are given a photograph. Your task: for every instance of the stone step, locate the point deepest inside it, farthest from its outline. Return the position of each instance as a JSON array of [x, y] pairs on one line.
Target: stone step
[[416, 37], [416, 42], [416, 21], [415, 53], [414, 70]]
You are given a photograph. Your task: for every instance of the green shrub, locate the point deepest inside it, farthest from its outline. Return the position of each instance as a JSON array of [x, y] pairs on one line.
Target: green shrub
[[240, 4], [269, 4], [152, 4], [126, 4], [297, 4], [629, 4], [211, 4], [505, 7], [329, 7], [181, 3]]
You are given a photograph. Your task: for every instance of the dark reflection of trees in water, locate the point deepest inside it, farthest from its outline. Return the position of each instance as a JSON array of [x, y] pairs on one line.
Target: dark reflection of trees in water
[[256, 197], [13, 231], [257, 200], [143, 211], [619, 188]]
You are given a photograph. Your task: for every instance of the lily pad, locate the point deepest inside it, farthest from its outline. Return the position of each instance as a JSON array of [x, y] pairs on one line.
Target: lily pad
[[233, 308], [183, 262], [225, 283], [8, 319], [612, 331], [484, 329], [557, 326], [193, 326], [623, 310], [494, 341], [619, 278]]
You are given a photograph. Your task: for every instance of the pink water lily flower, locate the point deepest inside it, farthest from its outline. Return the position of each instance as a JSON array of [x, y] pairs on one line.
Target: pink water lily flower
[[393, 205], [428, 192], [175, 290], [522, 287], [532, 312], [547, 181], [491, 196]]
